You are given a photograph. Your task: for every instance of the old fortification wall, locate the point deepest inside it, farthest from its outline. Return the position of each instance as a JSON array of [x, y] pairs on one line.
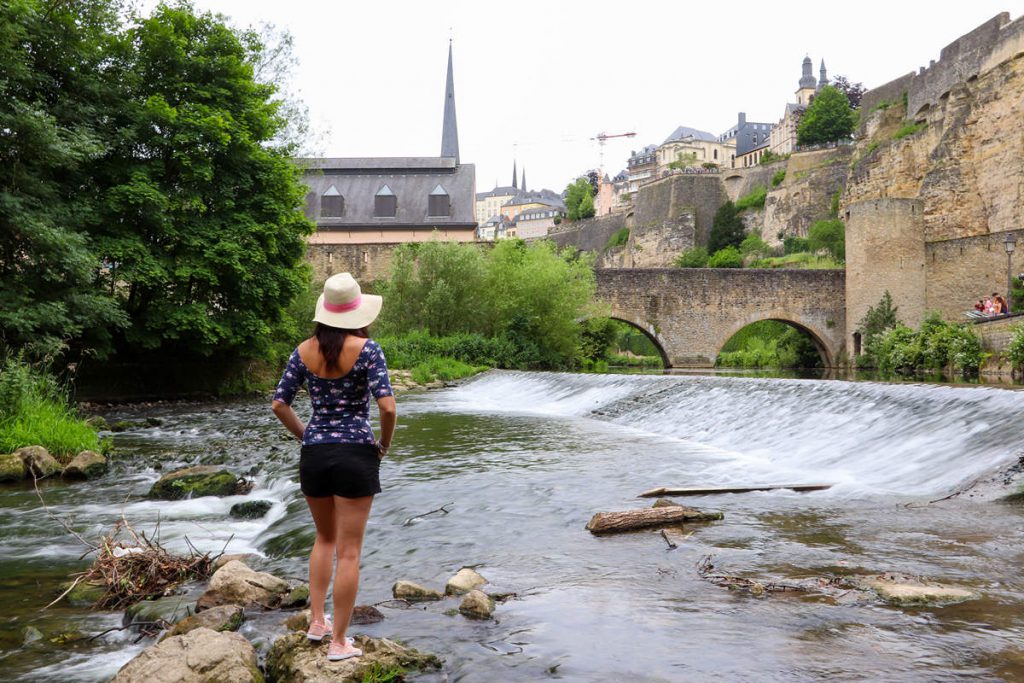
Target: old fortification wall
[[805, 195], [366, 262], [653, 245], [741, 181], [665, 200], [589, 234], [961, 271]]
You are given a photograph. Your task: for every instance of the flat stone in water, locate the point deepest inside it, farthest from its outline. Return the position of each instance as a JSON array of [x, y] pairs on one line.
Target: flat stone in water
[[413, 592], [193, 482], [295, 658], [908, 595]]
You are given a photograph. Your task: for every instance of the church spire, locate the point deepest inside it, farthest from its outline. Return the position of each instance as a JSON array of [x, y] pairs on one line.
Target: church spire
[[449, 129], [515, 181], [522, 186], [823, 80]]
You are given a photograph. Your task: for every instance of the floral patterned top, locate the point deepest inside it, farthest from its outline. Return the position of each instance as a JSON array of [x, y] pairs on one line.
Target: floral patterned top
[[341, 406]]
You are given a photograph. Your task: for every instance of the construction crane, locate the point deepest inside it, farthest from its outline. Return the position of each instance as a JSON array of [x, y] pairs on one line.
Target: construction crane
[[602, 138]]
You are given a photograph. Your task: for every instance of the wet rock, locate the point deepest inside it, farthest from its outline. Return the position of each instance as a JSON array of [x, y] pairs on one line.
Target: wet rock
[[665, 503], [220, 618], [11, 467], [295, 659], [199, 655], [85, 465], [194, 482], [98, 422], [30, 634], [234, 583], [298, 621], [366, 614], [154, 422], [297, 597], [37, 461], [224, 559], [477, 605], [85, 593], [251, 509], [168, 609], [464, 581], [413, 592], [918, 594], [122, 426]]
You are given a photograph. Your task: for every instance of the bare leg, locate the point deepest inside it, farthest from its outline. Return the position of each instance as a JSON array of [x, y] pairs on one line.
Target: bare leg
[[321, 559], [351, 515]]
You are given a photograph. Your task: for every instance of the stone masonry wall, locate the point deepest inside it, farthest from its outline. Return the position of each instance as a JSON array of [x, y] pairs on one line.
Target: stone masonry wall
[[665, 199], [653, 246], [366, 262], [961, 271], [805, 195], [589, 234]]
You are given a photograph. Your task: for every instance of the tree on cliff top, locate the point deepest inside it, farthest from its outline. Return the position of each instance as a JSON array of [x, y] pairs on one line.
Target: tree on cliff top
[[853, 91], [579, 199], [827, 119], [726, 228]]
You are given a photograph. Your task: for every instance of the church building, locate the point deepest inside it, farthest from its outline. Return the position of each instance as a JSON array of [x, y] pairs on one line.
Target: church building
[[363, 200]]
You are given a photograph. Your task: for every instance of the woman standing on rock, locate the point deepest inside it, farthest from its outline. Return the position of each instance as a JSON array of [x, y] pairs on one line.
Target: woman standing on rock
[[340, 458]]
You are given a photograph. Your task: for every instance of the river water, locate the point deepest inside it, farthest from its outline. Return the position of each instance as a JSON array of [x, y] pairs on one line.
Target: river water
[[526, 459]]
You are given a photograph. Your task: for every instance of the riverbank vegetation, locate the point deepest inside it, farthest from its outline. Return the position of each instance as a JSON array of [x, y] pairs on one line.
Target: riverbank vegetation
[[769, 344], [35, 410]]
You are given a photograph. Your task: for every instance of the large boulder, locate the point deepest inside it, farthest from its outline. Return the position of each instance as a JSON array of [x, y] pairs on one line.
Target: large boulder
[[193, 482], [37, 461], [296, 659], [465, 580], [477, 605], [195, 657], [220, 618], [11, 467], [251, 509], [85, 465], [236, 584], [413, 592], [361, 615]]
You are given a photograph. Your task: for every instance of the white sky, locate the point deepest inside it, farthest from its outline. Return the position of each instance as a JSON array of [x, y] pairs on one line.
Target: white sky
[[537, 80]]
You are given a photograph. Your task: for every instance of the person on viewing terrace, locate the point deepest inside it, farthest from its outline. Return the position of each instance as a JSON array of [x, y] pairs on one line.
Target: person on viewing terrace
[[339, 465]]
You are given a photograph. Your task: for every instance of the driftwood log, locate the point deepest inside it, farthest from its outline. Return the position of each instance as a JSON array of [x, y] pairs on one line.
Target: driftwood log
[[713, 490], [617, 522]]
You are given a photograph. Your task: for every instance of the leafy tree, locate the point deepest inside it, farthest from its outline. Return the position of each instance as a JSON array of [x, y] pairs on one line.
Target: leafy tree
[[853, 91], [729, 257], [793, 244], [829, 235], [201, 221], [827, 119], [579, 200], [873, 325], [55, 82], [753, 245], [696, 257], [726, 228], [683, 160], [594, 178]]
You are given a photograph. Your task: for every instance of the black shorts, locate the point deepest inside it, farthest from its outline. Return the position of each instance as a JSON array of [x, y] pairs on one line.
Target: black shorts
[[349, 470]]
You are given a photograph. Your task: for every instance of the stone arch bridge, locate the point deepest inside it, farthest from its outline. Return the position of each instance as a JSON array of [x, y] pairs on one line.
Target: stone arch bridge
[[690, 313]]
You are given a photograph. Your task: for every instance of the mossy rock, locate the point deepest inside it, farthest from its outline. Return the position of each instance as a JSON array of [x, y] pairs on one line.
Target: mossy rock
[[251, 509], [98, 422], [194, 482], [220, 618], [11, 467], [85, 465], [85, 594], [122, 426], [38, 462], [294, 659], [297, 597]]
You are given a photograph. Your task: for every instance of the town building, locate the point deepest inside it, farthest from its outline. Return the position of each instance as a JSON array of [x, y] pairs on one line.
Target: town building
[[783, 137], [537, 222], [694, 148], [394, 199], [749, 138], [641, 166]]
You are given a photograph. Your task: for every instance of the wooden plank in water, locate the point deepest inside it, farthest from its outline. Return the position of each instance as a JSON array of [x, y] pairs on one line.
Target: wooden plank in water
[[715, 490], [628, 520]]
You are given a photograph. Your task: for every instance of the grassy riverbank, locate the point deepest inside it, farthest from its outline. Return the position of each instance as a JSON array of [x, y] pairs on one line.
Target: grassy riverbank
[[35, 411]]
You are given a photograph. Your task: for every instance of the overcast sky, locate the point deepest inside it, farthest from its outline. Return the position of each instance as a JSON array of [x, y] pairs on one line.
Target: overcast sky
[[535, 81]]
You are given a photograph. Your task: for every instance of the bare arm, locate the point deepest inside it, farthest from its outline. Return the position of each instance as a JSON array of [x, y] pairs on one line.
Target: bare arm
[[388, 417], [289, 419]]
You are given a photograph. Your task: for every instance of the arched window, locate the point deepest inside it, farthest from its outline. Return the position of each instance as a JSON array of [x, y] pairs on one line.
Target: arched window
[[385, 203], [332, 204], [438, 202]]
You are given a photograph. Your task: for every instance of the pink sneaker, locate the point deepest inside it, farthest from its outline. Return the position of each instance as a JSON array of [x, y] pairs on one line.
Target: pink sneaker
[[318, 631], [337, 652]]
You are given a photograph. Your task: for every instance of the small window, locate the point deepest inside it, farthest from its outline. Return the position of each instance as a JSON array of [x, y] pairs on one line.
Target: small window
[[332, 204], [385, 203], [438, 202], [716, 153]]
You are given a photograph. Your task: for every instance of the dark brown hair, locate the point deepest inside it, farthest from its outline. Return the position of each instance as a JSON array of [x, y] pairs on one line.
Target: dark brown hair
[[331, 340]]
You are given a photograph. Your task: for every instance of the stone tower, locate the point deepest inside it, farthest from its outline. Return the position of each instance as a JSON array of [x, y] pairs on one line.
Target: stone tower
[[807, 84], [822, 76], [449, 129], [515, 180]]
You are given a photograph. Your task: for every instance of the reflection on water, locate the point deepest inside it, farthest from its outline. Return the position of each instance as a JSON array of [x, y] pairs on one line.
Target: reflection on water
[[527, 459]]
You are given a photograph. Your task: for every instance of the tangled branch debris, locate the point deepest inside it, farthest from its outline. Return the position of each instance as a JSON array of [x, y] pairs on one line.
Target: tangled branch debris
[[756, 588], [443, 508]]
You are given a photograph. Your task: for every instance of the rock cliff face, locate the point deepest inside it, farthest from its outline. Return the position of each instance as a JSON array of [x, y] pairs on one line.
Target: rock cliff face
[[806, 193]]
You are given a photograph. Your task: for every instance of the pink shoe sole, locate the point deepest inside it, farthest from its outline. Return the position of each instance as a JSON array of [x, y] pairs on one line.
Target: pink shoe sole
[[347, 655]]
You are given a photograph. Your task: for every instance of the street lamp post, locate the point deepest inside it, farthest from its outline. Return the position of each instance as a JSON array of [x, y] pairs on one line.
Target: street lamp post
[[1010, 244]]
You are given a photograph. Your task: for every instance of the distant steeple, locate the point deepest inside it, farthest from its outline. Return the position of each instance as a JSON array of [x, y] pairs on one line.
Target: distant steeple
[[449, 129], [522, 185], [807, 79], [515, 181], [823, 76]]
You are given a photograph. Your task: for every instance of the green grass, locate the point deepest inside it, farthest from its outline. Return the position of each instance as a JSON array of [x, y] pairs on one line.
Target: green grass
[[909, 128], [631, 361], [379, 673], [618, 239], [753, 200], [778, 177], [800, 260], [35, 411], [441, 368]]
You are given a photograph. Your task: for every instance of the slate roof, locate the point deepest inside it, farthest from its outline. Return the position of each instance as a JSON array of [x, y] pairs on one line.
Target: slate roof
[[411, 179], [505, 191], [685, 132]]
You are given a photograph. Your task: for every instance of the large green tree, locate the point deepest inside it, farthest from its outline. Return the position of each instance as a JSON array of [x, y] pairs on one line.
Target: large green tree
[[827, 119], [200, 224], [579, 199], [56, 87], [726, 228]]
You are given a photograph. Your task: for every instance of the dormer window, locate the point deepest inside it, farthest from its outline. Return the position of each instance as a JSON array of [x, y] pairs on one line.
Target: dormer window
[[385, 203], [332, 204], [439, 203]]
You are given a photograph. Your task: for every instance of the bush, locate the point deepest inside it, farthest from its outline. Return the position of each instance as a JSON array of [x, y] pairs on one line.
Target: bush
[[1016, 348], [828, 235], [446, 369], [619, 239], [596, 338], [754, 200], [791, 244], [35, 411], [579, 199], [909, 128], [726, 228], [730, 257], [778, 177], [875, 322], [693, 258], [939, 345], [769, 343], [753, 245], [771, 157]]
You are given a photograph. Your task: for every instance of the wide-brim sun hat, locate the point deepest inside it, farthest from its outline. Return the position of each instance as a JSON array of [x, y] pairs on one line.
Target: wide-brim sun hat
[[344, 305]]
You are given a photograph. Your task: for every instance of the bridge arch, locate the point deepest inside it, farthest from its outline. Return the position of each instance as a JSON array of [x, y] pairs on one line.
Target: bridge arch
[[827, 357], [651, 335]]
